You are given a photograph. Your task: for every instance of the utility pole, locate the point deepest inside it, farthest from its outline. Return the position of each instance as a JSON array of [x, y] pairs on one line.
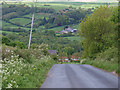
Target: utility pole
[[31, 31], [108, 4], [31, 27]]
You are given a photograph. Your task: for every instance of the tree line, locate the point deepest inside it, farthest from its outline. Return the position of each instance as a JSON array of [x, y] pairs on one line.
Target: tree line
[[67, 16], [60, 44], [14, 11]]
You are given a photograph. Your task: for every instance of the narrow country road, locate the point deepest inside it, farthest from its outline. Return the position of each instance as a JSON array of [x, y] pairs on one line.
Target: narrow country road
[[79, 76]]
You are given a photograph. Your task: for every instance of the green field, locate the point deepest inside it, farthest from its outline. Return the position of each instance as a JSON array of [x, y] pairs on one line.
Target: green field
[[55, 5], [74, 38], [38, 15], [62, 5], [57, 28], [87, 6], [5, 24], [7, 32], [20, 21], [75, 26]]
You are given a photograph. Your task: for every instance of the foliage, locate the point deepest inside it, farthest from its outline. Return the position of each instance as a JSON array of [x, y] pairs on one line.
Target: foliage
[[98, 31], [14, 29], [54, 57], [39, 37], [20, 10], [43, 47], [18, 72], [68, 50], [106, 65], [9, 12], [78, 54], [50, 19], [110, 54], [13, 14], [7, 41], [48, 25]]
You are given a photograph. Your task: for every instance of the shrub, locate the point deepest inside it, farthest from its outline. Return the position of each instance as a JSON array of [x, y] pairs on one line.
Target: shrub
[[23, 68], [110, 54], [54, 57]]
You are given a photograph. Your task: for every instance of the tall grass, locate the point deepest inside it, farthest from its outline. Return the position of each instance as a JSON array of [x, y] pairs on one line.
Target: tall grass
[[107, 60], [24, 68]]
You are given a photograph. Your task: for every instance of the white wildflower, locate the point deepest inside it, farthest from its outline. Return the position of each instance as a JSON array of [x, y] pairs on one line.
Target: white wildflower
[[9, 85]]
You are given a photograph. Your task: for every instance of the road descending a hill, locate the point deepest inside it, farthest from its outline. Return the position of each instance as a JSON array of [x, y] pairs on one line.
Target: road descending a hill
[[79, 76]]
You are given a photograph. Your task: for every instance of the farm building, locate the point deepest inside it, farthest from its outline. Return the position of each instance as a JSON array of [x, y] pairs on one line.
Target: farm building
[[67, 30], [64, 59], [52, 52], [74, 58]]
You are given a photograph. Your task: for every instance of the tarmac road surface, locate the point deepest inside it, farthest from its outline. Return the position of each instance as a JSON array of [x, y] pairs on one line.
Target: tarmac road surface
[[79, 76]]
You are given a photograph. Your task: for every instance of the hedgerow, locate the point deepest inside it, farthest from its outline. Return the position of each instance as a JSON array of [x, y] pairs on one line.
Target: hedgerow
[[24, 68]]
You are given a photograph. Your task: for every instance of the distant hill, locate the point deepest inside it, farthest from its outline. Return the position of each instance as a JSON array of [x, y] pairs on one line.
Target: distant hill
[[107, 0], [66, 0]]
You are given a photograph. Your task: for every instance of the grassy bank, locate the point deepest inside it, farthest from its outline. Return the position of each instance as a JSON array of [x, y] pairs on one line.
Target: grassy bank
[[23, 68], [105, 65], [107, 60]]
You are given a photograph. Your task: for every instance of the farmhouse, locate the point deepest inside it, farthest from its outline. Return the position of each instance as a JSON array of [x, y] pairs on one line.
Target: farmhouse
[[64, 32], [67, 29]]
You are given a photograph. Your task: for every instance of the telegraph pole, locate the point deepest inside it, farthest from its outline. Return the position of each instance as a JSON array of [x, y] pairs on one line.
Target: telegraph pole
[[108, 4], [31, 32], [31, 28]]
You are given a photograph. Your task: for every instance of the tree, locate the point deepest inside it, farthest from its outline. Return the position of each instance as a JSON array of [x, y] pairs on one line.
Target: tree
[[116, 19], [5, 40], [44, 21], [68, 50], [54, 57], [17, 44], [48, 25], [98, 31]]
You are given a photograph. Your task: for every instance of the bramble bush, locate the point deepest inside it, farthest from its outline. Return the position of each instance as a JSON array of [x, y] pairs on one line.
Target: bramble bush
[[24, 68]]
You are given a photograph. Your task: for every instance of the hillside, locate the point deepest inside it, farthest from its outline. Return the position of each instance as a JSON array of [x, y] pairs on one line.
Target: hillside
[[69, 0], [63, 32], [50, 18]]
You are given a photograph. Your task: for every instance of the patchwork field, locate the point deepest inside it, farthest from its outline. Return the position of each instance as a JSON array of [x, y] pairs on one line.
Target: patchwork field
[[20, 21], [5, 24], [62, 5], [38, 15], [57, 28], [25, 21]]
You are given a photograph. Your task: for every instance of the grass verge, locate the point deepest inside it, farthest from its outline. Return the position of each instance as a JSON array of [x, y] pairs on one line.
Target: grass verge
[[105, 65], [23, 68]]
